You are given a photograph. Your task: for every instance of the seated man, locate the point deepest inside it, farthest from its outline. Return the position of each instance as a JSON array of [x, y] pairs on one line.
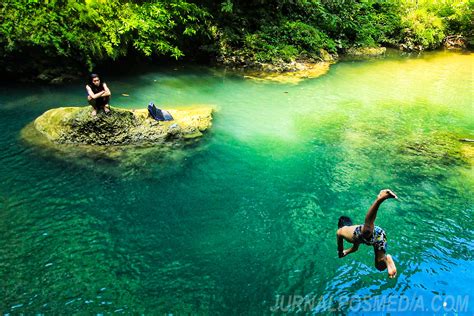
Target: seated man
[[367, 234], [98, 95]]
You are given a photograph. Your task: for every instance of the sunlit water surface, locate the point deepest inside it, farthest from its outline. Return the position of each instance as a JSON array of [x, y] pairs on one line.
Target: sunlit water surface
[[244, 222]]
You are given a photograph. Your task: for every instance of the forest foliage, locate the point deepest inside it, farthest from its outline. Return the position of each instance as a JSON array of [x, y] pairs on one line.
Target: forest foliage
[[37, 34]]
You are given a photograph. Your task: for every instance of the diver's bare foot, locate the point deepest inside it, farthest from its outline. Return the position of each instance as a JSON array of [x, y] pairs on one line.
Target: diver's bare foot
[[391, 268], [106, 109], [387, 194], [94, 113]]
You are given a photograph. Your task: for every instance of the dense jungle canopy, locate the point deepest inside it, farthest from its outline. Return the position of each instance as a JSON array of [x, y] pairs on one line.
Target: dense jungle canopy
[[70, 35]]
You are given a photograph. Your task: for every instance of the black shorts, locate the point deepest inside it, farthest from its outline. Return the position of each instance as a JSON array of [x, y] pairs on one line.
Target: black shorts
[[99, 103]]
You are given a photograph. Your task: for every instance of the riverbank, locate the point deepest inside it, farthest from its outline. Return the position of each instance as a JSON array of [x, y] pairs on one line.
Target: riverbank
[[280, 70], [62, 41]]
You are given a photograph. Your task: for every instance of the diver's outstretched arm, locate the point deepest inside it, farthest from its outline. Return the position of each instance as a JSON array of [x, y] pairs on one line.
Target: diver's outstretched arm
[[340, 246], [354, 248]]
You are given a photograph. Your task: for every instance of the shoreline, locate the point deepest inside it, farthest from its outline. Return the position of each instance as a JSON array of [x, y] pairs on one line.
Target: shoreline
[[283, 72]]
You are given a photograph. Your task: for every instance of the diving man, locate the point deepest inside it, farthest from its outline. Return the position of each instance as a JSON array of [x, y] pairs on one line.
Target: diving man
[[367, 234]]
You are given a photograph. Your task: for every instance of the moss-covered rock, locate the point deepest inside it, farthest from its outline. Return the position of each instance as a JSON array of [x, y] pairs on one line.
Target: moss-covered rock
[[298, 72], [123, 142], [366, 51], [75, 125]]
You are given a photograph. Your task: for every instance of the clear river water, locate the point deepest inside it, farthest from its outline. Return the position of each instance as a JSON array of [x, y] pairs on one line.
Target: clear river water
[[244, 221]]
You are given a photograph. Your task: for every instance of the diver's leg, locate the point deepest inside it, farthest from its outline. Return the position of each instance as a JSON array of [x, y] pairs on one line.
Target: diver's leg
[[372, 212], [370, 217]]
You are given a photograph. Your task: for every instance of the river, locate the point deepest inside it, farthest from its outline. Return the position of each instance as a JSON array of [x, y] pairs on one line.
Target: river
[[244, 221]]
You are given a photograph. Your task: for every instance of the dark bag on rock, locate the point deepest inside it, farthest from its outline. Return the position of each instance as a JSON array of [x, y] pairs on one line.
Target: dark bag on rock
[[157, 114]]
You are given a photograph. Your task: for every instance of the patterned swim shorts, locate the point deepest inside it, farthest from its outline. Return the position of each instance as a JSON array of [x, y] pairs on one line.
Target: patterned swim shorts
[[378, 239]]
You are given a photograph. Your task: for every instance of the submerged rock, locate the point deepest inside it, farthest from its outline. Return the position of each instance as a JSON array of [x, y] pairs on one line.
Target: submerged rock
[[75, 125], [279, 70], [366, 51], [295, 74]]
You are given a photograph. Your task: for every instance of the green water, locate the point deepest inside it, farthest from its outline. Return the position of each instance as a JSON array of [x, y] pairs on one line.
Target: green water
[[250, 212]]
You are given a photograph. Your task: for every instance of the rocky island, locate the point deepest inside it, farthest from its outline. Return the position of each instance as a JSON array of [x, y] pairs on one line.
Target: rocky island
[[125, 136], [75, 125]]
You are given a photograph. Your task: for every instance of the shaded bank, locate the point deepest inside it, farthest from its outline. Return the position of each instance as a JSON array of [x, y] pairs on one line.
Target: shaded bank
[[58, 41]]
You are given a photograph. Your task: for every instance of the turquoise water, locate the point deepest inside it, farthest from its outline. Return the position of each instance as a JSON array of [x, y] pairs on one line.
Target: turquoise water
[[244, 221]]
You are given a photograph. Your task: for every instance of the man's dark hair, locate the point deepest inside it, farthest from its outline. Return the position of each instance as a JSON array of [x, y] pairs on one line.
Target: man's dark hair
[[92, 77], [344, 221]]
